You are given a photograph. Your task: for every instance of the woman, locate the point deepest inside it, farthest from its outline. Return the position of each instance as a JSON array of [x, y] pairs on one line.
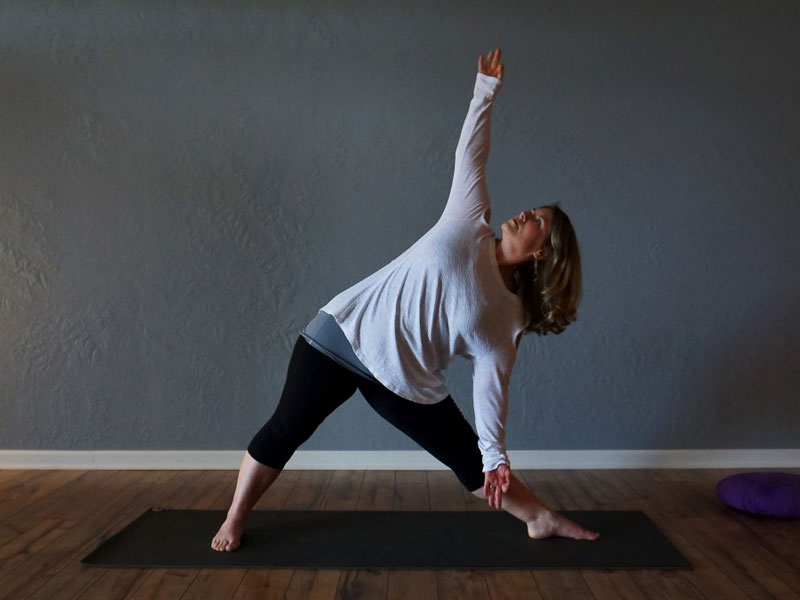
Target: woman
[[457, 291]]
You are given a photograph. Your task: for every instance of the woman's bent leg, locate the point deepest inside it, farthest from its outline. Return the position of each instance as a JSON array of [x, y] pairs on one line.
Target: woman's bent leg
[[254, 479], [315, 386]]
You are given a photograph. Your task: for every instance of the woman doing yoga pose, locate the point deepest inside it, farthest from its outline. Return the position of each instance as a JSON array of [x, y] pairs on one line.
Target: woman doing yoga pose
[[457, 291]]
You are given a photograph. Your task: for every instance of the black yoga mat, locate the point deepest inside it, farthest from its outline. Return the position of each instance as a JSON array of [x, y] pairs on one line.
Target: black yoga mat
[[330, 539]]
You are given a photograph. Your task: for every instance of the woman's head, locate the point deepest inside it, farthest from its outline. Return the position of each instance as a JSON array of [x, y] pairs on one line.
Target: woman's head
[[526, 236], [548, 278]]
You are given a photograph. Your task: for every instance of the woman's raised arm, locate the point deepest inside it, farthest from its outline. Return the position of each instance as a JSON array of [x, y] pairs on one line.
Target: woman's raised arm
[[469, 196]]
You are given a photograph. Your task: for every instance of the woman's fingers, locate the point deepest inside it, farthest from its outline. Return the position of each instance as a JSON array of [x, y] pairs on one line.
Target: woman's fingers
[[487, 490], [494, 494], [494, 58], [490, 490], [490, 63], [496, 484]]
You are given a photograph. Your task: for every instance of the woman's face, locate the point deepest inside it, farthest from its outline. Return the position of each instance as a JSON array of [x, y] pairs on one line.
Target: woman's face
[[527, 232]]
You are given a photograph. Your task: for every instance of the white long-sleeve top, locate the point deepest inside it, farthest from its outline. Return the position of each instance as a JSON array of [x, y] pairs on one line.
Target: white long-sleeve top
[[444, 297]]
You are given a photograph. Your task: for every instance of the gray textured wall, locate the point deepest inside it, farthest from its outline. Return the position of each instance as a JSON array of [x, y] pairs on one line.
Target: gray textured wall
[[182, 186]]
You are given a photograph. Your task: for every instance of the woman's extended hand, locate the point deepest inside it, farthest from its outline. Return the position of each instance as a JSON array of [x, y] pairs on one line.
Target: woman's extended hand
[[496, 485], [489, 64]]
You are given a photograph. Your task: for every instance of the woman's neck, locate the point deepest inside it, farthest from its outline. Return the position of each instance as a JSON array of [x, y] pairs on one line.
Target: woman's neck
[[506, 271]]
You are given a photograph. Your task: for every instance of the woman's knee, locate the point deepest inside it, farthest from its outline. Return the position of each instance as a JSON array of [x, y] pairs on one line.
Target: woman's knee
[[272, 448], [473, 483], [279, 438]]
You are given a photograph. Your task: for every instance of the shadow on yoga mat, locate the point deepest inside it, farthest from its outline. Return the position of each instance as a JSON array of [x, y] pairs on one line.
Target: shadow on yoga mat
[[330, 539]]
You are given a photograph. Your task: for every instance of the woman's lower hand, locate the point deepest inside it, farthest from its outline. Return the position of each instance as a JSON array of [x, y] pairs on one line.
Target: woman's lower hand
[[496, 484]]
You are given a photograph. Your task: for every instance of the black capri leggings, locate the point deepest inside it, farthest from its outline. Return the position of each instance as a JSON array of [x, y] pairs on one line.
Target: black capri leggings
[[316, 385]]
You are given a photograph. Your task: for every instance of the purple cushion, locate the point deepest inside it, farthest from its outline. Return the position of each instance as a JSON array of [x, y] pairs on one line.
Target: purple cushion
[[763, 493]]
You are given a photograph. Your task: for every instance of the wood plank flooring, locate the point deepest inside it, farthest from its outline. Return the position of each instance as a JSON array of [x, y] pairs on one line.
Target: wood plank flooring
[[49, 520]]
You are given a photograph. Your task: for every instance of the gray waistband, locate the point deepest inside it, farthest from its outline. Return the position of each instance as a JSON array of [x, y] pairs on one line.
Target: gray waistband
[[324, 334]]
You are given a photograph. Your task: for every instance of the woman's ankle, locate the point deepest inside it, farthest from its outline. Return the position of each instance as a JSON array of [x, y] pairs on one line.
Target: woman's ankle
[[540, 513], [237, 515]]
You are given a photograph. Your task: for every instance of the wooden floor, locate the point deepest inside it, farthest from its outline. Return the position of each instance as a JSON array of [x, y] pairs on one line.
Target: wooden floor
[[49, 520]]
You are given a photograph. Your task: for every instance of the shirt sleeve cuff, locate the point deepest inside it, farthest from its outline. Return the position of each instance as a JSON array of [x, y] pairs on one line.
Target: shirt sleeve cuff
[[493, 460], [486, 85]]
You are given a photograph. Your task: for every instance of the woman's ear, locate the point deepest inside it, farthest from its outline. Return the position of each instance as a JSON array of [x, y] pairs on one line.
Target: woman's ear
[[540, 254]]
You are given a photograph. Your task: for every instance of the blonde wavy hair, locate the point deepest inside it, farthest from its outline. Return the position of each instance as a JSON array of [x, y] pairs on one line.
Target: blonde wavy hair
[[551, 291]]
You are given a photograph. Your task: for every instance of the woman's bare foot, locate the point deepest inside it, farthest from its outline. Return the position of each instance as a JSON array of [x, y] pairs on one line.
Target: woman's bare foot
[[228, 536], [551, 523]]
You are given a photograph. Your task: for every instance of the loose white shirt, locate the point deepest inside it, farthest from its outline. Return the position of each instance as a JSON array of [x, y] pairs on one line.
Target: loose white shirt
[[444, 297]]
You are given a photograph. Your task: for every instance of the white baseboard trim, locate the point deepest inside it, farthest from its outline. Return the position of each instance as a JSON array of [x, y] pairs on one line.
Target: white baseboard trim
[[400, 460]]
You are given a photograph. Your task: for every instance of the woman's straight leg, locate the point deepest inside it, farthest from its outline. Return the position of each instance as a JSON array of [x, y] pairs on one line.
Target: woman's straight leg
[[444, 432], [439, 428]]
